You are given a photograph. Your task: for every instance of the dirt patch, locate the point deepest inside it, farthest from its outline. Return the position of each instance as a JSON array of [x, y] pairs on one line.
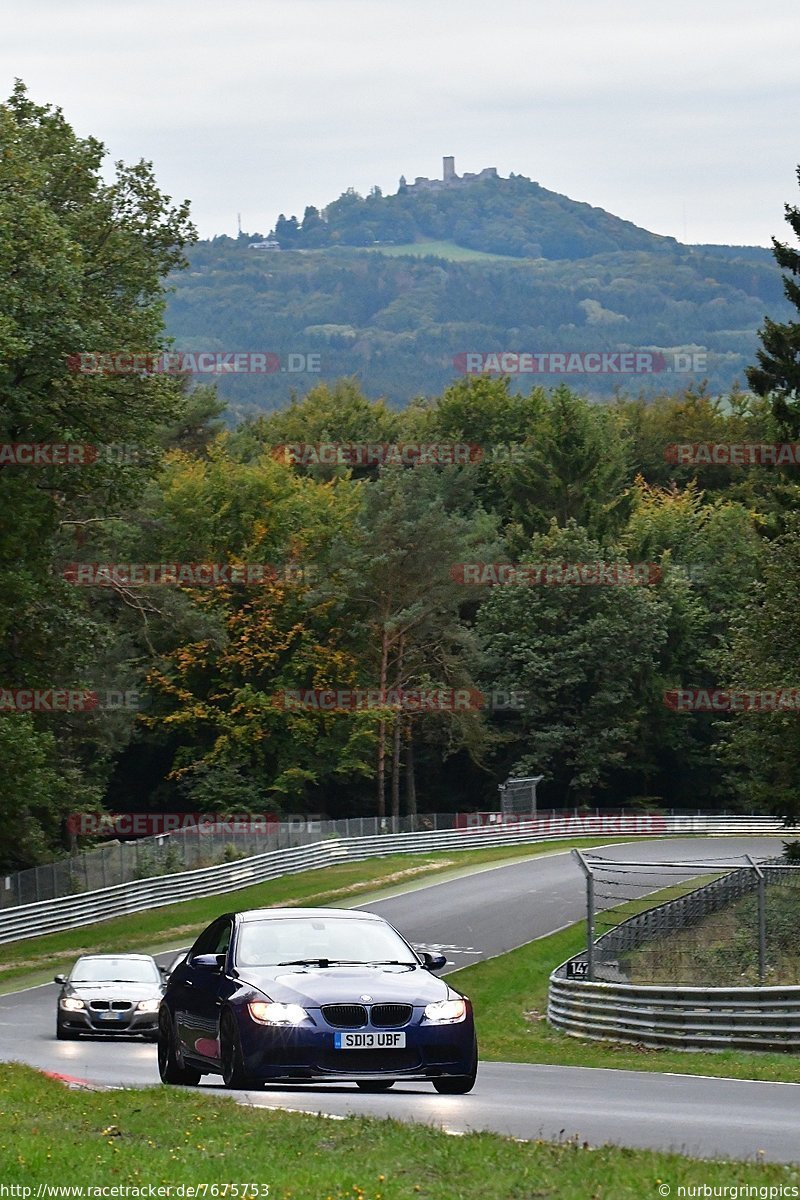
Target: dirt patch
[[370, 885]]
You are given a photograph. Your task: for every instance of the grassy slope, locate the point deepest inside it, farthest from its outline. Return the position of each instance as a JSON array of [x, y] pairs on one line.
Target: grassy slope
[[50, 1134]]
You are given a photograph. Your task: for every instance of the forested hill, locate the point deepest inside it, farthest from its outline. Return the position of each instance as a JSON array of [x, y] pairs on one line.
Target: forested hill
[[394, 290], [512, 216]]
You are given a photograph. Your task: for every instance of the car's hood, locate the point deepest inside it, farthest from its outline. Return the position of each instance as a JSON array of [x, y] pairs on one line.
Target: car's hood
[[113, 991], [313, 986]]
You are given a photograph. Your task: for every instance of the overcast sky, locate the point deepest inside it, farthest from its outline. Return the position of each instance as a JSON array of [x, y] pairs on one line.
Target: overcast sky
[[683, 119]]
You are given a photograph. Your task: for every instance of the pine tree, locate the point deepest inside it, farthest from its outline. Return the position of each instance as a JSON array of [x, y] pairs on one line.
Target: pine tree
[[778, 370]]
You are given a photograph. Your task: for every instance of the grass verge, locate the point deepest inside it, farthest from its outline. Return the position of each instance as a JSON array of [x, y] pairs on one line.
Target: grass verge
[[510, 998], [32, 961], [159, 1136], [721, 950]]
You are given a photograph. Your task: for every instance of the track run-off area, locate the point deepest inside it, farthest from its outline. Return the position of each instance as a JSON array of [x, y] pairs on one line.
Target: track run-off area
[[482, 913]]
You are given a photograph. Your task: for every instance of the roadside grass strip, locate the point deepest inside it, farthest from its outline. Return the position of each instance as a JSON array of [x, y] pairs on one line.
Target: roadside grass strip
[[181, 1139]]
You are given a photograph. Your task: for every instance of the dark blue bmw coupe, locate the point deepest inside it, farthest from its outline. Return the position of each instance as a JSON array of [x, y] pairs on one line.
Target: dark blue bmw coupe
[[304, 995]]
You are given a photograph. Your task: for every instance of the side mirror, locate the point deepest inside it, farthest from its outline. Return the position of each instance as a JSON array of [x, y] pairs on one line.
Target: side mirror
[[434, 962], [163, 968], [59, 979], [208, 962]]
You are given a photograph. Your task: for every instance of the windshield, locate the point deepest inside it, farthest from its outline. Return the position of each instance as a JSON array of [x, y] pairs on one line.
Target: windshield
[[122, 970], [293, 939]]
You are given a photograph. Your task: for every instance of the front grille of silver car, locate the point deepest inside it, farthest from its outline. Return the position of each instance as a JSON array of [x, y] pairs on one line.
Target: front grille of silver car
[[112, 1005]]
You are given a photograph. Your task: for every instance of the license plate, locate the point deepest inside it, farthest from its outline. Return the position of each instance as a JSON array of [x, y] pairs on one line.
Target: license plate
[[369, 1041], [111, 1016]]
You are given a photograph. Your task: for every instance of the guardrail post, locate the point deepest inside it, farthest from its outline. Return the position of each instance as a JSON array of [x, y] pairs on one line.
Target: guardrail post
[[762, 920], [589, 913]]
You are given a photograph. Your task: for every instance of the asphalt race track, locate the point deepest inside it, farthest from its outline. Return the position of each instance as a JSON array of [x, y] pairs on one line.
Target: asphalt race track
[[473, 917]]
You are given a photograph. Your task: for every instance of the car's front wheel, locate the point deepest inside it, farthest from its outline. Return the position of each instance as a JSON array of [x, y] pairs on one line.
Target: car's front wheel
[[374, 1085], [170, 1068], [233, 1072], [458, 1085]]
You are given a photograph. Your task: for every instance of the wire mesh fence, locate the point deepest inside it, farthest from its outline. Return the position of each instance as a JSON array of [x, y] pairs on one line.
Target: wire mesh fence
[[701, 923], [118, 862], [206, 844], [201, 846]]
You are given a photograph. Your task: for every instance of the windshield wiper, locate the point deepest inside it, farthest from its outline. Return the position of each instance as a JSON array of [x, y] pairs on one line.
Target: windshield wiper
[[119, 981], [321, 962], [304, 962], [389, 962]]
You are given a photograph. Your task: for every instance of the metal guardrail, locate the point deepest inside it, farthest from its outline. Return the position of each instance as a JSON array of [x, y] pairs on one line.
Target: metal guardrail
[[751, 1018], [50, 916], [186, 849], [589, 996]]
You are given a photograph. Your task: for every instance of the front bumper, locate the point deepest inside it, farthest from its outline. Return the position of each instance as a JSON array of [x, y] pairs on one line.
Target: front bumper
[[90, 1021], [307, 1052]]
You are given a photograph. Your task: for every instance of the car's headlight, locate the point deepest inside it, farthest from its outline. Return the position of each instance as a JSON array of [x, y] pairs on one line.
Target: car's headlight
[[149, 1006], [446, 1011], [276, 1014], [71, 1004]]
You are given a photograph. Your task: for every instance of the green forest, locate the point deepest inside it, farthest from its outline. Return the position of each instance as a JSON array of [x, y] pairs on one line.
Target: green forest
[[391, 290], [361, 582]]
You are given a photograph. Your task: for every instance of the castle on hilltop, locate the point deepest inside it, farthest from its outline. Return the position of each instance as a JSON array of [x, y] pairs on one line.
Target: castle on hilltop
[[449, 178]]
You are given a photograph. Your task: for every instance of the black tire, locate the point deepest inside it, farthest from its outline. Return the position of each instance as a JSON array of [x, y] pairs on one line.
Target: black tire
[[170, 1067], [458, 1085], [374, 1085], [233, 1072], [65, 1035]]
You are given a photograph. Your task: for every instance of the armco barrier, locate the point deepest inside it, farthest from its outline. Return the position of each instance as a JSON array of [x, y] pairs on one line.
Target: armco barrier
[[686, 1017], [66, 912], [691, 1018]]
